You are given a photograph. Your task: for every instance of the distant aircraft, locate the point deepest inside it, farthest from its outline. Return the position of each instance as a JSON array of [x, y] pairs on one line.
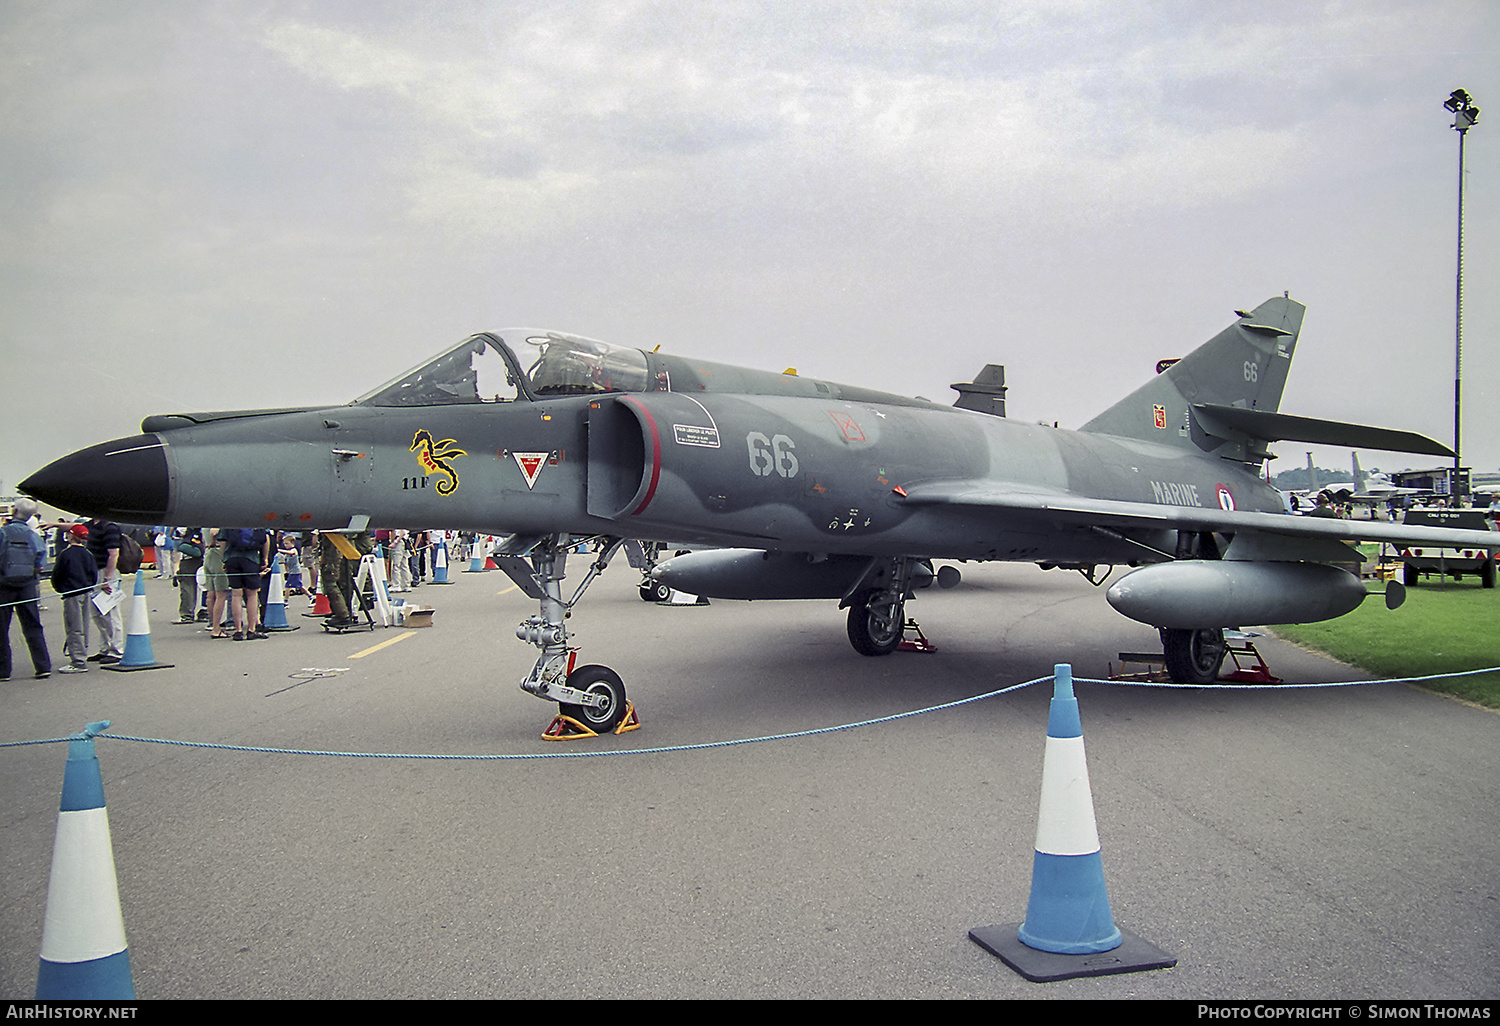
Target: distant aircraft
[[1303, 499], [1370, 489], [816, 489]]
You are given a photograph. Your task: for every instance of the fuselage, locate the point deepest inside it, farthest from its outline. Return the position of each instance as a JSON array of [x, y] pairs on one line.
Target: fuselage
[[697, 452]]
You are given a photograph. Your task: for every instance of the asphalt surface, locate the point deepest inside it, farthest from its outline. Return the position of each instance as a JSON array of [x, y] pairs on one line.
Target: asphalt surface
[[1281, 843]]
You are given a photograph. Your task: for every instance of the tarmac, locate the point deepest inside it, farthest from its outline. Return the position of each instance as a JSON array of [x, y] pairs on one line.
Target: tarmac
[[1282, 843]]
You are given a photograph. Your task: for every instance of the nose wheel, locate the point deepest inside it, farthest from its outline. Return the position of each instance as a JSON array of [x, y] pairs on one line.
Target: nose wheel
[[603, 684]]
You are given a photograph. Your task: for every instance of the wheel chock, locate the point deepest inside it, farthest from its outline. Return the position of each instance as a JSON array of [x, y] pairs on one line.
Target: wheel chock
[[566, 728], [1249, 665], [1156, 672], [917, 644], [1253, 670], [630, 722]]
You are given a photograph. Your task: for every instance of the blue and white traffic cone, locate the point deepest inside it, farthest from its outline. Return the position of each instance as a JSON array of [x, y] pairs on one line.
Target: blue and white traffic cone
[[440, 562], [275, 618], [1068, 913], [84, 956], [1068, 928], [137, 655], [476, 554]]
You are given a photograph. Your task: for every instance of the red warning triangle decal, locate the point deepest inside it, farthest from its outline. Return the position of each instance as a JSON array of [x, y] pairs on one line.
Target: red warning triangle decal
[[531, 464]]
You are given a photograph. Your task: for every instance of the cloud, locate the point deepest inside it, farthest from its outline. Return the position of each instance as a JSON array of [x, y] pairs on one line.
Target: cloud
[[567, 119]]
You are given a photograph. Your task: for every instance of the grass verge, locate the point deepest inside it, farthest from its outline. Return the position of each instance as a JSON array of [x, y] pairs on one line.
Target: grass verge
[[1442, 628]]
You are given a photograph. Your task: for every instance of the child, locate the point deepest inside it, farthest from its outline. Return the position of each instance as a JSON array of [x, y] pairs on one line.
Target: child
[[73, 578], [291, 566]]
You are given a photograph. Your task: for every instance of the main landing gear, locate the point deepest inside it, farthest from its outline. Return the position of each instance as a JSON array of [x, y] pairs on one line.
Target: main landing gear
[[1193, 656], [593, 697], [644, 556], [877, 608]]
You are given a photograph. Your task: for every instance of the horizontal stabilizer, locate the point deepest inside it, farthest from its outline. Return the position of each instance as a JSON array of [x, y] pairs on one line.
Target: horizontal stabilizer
[[1236, 424]]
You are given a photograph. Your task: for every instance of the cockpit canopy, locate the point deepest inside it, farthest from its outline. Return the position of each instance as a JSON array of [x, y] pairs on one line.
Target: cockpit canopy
[[484, 369], [487, 368]]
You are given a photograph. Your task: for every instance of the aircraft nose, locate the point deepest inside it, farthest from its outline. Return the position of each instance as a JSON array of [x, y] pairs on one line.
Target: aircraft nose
[[125, 479]]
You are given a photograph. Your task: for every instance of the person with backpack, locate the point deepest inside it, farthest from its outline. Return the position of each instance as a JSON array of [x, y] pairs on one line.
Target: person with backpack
[[246, 552], [105, 545], [20, 564]]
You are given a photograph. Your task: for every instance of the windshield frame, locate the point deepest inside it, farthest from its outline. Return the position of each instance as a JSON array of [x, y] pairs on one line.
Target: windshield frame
[[472, 345]]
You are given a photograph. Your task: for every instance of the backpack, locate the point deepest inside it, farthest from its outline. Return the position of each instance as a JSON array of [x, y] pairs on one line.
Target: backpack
[[129, 559], [18, 563]]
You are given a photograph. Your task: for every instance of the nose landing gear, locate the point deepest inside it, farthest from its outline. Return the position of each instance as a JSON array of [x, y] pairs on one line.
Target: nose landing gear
[[591, 698]]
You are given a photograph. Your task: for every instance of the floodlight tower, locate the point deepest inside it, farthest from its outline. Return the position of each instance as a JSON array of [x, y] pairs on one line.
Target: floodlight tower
[[1465, 115]]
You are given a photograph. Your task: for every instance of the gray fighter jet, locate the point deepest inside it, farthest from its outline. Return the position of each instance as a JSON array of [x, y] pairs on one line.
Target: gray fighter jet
[[801, 488]]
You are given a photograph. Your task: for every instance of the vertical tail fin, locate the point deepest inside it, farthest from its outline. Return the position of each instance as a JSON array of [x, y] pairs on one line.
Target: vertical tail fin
[[1359, 475], [1245, 366]]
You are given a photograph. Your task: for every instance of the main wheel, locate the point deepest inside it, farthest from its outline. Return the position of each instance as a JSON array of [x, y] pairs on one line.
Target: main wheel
[[655, 591], [1409, 575], [1487, 573], [1193, 656], [875, 627], [597, 680]]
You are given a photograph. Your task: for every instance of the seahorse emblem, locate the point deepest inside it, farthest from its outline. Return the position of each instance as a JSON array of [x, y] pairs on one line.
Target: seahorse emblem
[[434, 457]]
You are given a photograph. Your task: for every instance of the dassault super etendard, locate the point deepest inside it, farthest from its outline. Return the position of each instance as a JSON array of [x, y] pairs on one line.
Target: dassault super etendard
[[801, 488]]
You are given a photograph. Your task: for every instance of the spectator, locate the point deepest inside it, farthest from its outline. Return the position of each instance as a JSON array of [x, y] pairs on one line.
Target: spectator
[[20, 563], [73, 578], [104, 546], [246, 552], [215, 582], [190, 561]]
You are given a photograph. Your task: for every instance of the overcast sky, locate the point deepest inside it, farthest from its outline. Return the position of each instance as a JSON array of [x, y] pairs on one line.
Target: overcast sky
[[246, 204]]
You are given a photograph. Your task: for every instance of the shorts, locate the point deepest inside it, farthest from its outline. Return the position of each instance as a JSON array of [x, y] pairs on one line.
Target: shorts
[[214, 578], [244, 572]]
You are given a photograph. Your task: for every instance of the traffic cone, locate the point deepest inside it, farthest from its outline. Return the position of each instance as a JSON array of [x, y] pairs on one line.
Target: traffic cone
[[1068, 925], [440, 562], [275, 618], [84, 956], [1069, 909], [320, 606], [137, 655]]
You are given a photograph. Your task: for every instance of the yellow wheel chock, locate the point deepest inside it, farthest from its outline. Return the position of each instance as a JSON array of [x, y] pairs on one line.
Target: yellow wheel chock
[[566, 728]]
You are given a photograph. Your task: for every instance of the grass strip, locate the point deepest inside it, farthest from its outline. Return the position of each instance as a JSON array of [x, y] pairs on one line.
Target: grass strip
[[1442, 628]]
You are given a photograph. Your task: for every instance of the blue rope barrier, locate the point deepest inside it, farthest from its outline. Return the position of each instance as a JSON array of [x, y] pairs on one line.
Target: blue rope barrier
[[704, 746]]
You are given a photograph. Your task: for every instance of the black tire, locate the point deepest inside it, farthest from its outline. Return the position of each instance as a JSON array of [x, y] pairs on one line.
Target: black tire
[[871, 631], [655, 591], [1193, 656], [1409, 575], [1487, 574], [597, 680]]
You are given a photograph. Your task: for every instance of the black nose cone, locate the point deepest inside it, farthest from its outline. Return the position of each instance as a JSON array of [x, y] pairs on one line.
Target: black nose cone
[[126, 479]]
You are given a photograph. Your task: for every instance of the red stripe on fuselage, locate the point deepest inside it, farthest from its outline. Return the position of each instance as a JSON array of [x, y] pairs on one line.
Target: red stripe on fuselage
[[655, 455]]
